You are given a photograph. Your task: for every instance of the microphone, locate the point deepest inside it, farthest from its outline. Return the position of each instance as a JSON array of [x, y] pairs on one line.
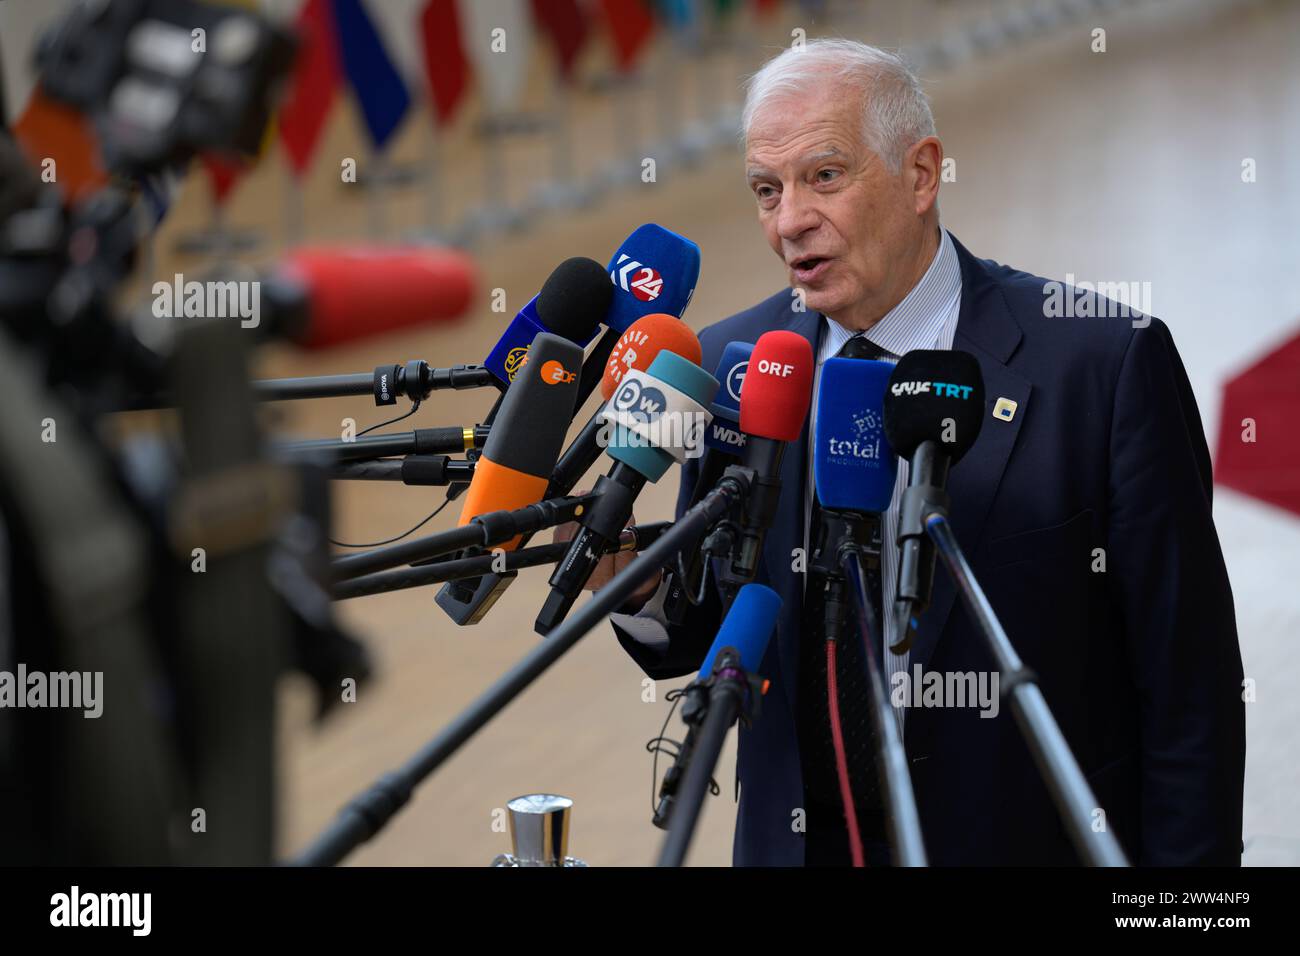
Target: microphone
[[773, 406], [854, 465], [854, 471], [653, 271], [655, 417], [724, 443], [526, 439], [352, 292], [725, 687], [637, 348], [933, 410], [571, 304], [745, 631]]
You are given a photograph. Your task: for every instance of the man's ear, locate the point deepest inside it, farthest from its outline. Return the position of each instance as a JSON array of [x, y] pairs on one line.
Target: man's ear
[[923, 163]]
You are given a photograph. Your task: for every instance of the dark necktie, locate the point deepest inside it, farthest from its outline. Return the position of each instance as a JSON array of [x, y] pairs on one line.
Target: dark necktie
[[821, 783]]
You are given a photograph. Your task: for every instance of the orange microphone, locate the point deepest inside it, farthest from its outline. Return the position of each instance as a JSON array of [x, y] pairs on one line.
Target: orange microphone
[[528, 433]]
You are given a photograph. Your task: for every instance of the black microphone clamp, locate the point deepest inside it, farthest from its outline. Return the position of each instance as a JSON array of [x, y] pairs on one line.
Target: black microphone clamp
[[416, 380]]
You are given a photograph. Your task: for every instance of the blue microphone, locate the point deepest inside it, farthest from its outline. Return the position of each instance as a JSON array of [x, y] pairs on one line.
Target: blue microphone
[[746, 629], [854, 467], [724, 432], [713, 702], [654, 270]]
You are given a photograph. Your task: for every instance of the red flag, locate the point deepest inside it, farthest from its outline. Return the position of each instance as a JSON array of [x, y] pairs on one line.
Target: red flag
[[630, 27], [766, 7], [223, 174], [1258, 453], [562, 21], [312, 86], [445, 63]]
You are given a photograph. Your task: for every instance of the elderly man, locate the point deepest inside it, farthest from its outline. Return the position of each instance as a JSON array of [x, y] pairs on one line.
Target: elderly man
[[1085, 513]]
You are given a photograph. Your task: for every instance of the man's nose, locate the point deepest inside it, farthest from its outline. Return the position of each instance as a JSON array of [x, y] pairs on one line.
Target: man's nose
[[798, 215]]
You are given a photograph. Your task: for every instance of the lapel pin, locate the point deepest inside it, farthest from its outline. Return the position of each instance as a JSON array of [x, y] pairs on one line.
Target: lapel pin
[[1005, 409]]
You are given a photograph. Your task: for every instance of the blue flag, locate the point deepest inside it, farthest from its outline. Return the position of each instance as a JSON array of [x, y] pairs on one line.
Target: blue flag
[[375, 81]]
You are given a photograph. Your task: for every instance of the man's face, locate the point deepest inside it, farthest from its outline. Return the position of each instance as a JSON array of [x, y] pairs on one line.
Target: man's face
[[845, 227]]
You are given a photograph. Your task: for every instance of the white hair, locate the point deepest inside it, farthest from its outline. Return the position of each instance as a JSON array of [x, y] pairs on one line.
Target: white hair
[[896, 109]]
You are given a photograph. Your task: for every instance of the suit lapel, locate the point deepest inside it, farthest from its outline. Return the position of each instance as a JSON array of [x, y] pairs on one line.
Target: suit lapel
[[986, 329]]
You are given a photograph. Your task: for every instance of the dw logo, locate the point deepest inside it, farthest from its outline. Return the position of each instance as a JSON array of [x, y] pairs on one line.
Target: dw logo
[[637, 402]]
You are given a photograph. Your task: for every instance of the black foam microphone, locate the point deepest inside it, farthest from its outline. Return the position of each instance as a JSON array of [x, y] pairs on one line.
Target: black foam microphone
[[934, 407]]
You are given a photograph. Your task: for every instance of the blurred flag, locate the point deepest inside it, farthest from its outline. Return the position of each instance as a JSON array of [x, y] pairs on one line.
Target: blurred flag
[[1257, 451], [445, 64], [223, 172], [498, 38], [48, 130], [631, 26], [312, 86], [766, 7], [677, 14], [378, 86], [566, 27]]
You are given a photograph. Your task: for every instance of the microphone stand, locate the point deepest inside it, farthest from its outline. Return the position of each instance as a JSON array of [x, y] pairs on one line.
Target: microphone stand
[[891, 757], [842, 542], [418, 470], [484, 531], [632, 539], [1069, 788], [370, 811], [732, 694], [422, 441], [415, 380]]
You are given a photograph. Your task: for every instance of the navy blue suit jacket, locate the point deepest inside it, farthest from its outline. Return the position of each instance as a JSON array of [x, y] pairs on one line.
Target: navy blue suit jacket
[[1139, 663]]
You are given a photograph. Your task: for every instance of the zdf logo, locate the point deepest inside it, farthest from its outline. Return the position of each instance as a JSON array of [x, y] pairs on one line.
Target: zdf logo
[[553, 373]]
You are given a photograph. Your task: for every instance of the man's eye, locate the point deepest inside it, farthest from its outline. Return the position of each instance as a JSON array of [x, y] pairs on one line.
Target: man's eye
[[827, 175], [764, 193]]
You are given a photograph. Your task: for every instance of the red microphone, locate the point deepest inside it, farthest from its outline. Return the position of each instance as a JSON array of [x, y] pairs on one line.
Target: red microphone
[[773, 407], [778, 387], [356, 292]]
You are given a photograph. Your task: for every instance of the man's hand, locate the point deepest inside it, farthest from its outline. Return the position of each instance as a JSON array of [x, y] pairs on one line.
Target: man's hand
[[610, 565]]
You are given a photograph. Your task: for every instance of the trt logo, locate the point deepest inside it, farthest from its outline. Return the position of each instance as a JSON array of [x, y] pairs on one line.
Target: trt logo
[[641, 280], [940, 389]]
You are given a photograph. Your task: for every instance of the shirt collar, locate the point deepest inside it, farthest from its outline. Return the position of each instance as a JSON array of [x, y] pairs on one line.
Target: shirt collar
[[916, 321]]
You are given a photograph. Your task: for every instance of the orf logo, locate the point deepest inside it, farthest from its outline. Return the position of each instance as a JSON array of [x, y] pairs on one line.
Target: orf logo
[[636, 277], [515, 360], [553, 373], [638, 402]]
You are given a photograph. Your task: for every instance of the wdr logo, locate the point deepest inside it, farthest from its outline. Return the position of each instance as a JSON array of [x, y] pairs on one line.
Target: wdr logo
[[646, 284]]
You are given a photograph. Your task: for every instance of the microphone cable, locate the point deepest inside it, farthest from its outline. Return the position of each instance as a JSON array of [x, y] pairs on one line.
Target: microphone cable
[[841, 758], [415, 407]]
